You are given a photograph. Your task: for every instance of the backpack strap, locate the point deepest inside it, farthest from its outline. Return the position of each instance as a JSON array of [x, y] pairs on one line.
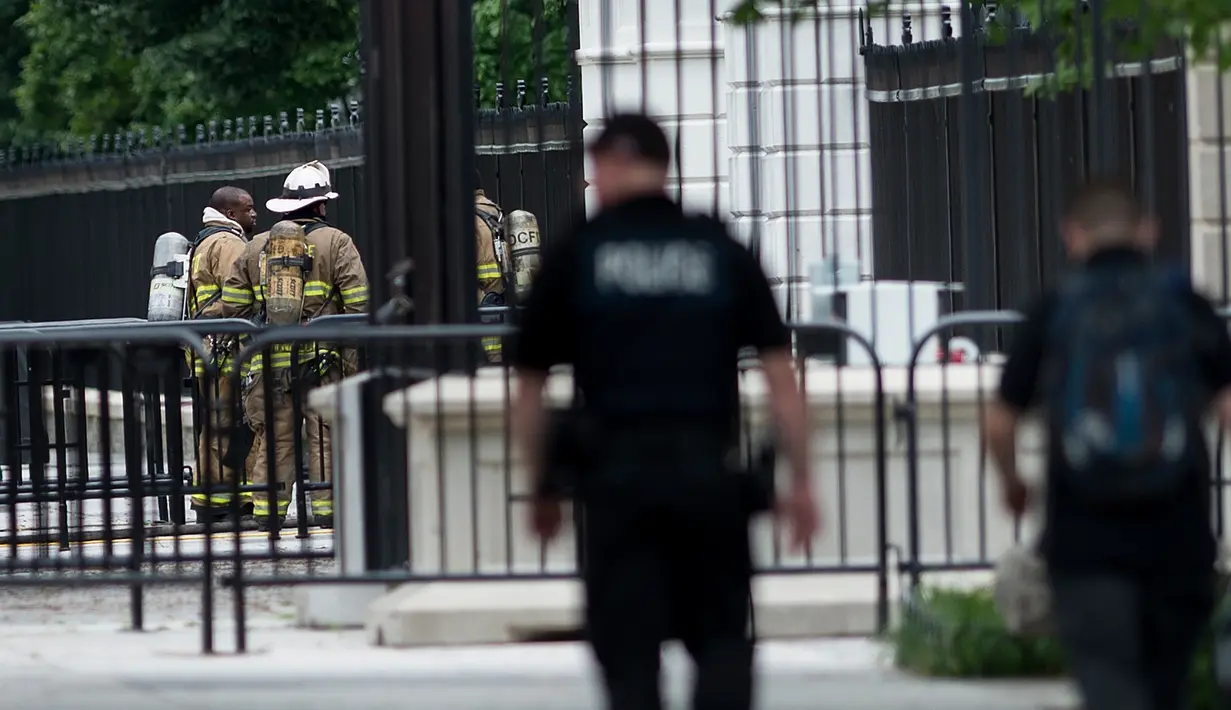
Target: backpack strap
[[495, 224]]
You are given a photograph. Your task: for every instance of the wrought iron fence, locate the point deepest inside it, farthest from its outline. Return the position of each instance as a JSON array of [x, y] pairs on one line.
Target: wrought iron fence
[[976, 207], [84, 214]]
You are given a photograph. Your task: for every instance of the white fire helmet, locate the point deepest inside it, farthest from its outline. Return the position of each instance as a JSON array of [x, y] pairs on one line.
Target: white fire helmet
[[307, 184]]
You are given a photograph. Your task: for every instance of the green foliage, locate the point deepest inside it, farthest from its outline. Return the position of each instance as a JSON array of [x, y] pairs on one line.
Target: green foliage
[[521, 39], [959, 634], [96, 66], [86, 67]]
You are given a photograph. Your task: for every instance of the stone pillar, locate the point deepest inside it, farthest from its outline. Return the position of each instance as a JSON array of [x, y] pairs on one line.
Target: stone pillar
[[619, 60], [801, 176], [1209, 141]]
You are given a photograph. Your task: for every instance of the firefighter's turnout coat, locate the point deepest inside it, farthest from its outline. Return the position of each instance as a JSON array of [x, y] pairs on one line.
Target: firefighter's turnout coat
[[487, 249], [217, 248], [335, 283]]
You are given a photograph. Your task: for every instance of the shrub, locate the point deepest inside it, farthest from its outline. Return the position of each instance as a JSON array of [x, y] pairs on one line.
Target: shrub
[[959, 634]]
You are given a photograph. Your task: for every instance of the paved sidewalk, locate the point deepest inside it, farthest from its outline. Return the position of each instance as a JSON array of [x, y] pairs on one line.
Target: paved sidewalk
[[99, 668]]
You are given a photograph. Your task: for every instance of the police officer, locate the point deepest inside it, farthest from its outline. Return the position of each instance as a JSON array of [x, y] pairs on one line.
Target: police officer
[[228, 222], [489, 253], [651, 307], [334, 283]]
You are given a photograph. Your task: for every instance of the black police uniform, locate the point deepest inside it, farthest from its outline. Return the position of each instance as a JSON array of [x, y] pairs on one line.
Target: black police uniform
[[651, 307]]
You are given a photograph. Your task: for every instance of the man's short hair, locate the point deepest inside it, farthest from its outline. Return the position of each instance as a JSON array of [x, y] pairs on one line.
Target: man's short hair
[[227, 197], [633, 135], [1103, 203]]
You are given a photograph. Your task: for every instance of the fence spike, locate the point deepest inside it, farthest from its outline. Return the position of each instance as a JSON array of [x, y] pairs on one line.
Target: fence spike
[[106, 143], [545, 91], [213, 130], [300, 125], [284, 123], [870, 39], [142, 139], [946, 22], [129, 141], [478, 96], [991, 11], [499, 94], [320, 120], [568, 88], [521, 93], [269, 126], [356, 109], [335, 114], [200, 133], [181, 134], [93, 144], [907, 35], [252, 124], [228, 133], [157, 137]]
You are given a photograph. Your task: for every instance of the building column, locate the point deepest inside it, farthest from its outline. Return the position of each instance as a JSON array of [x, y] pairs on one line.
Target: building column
[[1209, 159], [672, 68]]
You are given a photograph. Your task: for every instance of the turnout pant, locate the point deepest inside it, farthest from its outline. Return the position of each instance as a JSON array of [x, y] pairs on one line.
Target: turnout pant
[[278, 437], [667, 556], [217, 406], [1130, 640]]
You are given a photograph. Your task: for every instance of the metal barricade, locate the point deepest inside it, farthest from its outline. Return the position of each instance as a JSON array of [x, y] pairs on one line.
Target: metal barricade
[[124, 448], [947, 547]]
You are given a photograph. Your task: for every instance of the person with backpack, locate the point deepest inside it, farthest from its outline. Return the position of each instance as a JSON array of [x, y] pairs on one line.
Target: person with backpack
[[1122, 362], [333, 281]]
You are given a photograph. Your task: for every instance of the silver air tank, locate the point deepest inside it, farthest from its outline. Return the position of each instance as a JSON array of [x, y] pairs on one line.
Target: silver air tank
[[521, 235], [169, 278]]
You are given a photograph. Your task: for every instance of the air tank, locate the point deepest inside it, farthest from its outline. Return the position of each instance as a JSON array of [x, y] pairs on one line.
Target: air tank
[[521, 235], [284, 266], [169, 278]]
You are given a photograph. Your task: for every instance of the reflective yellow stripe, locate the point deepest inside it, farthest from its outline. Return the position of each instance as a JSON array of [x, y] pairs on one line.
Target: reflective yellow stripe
[[355, 296], [489, 270], [322, 507], [317, 288], [216, 499], [281, 355], [202, 294], [491, 345], [237, 296], [261, 508]]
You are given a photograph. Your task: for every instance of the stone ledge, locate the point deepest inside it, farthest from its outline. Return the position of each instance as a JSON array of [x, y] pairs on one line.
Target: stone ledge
[[461, 613]]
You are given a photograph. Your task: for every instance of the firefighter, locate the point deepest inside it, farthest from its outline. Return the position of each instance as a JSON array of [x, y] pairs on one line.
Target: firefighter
[[332, 281], [490, 255], [228, 221]]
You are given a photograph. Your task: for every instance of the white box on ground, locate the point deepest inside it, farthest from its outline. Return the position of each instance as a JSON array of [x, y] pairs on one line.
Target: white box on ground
[[892, 315]]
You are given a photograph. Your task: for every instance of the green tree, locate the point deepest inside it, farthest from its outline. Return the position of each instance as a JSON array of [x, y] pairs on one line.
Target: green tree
[[89, 67], [521, 39], [95, 66], [13, 47]]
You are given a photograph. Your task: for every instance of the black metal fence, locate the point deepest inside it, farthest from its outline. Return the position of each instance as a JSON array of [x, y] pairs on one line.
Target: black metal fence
[[83, 217], [110, 472], [1030, 146]]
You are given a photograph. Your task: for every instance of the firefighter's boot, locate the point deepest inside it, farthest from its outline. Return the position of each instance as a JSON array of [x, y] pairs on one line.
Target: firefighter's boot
[[269, 523]]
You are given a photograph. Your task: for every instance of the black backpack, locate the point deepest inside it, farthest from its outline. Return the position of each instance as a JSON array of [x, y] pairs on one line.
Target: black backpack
[[1124, 400]]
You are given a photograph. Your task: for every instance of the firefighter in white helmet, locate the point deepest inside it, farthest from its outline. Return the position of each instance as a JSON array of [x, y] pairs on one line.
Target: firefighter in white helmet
[[302, 269]]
